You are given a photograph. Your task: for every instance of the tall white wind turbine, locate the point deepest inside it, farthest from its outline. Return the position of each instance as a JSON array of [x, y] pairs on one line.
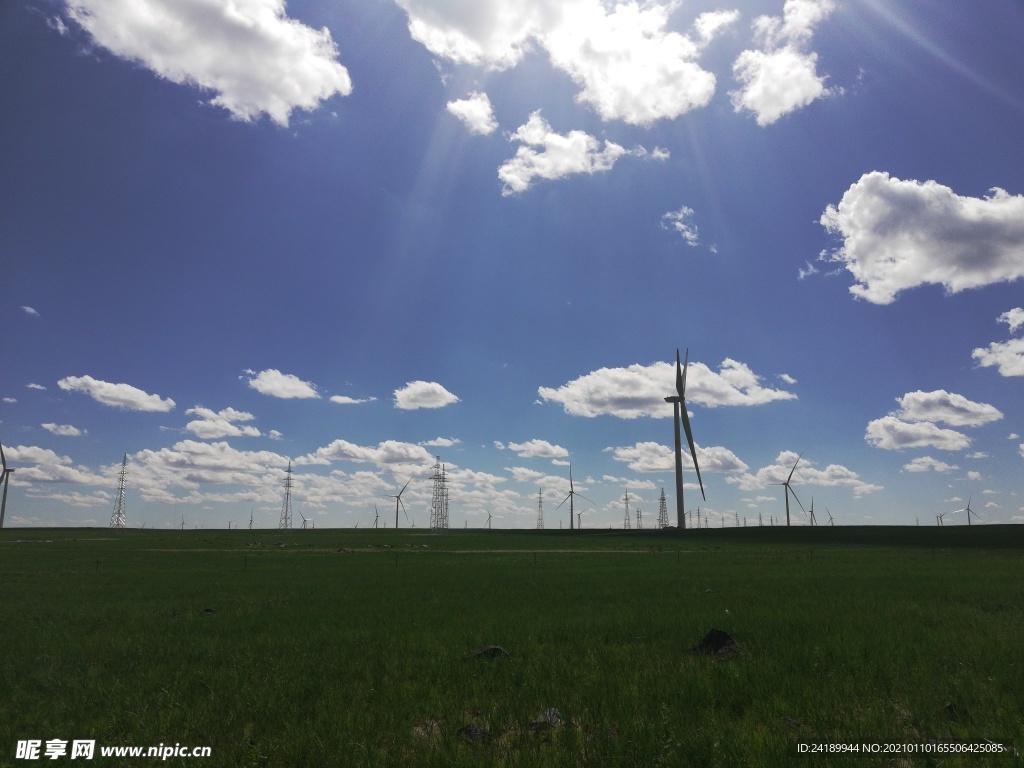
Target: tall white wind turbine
[[790, 490], [5, 475], [679, 414]]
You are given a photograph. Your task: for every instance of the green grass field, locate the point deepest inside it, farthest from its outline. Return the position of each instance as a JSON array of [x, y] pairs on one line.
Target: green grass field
[[313, 656]]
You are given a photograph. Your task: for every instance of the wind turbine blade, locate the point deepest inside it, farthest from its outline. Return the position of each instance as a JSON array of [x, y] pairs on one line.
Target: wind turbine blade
[[797, 499], [3, 458], [794, 468], [404, 487], [681, 375], [693, 450], [565, 499]]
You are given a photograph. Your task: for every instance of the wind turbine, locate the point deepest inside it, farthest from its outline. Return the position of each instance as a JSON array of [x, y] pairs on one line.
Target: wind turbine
[[941, 518], [570, 499], [376, 515], [814, 520], [488, 519], [229, 524], [304, 520], [398, 500], [250, 519], [579, 520], [679, 414], [966, 509], [831, 520], [6, 474], [790, 490], [183, 521]]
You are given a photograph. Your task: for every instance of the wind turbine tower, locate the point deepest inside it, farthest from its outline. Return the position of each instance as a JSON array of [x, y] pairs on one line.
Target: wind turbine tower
[[6, 474], [571, 498], [789, 490], [398, 500], [117, 519], [439, 500], [678, 401], [286, 505], [969, 511], [540, 509], [662, 511]]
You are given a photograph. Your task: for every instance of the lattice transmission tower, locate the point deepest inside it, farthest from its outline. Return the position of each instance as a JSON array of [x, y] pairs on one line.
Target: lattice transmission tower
[[662, 511], [439, 500], [625, 522], [540, 509], [639, 519], [117, 518], [286, 505]]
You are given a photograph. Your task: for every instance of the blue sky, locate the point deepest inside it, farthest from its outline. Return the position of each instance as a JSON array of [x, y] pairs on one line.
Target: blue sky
[[356, 236]]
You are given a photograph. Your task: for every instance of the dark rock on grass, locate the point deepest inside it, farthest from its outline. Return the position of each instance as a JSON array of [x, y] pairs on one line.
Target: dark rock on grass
[[490, 652], [549, 718], [718, 643], [957, 711], [209, 611], [475, 733]]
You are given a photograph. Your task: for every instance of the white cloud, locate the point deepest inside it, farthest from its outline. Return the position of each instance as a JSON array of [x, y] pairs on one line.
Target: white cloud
[[538, 449], [901, 234], [494, 34], [476, 112], [30, 311], [781, 77], [36, 386], [654, 457], [926, 463], [31, 454], [423, 394], [893, 434], [681, 222], [1008, 356], [253, 57], [49, 467], [913, 424], [1013, 318], [559, 155], [628, 64], [832, 476], [386, 454], [804, 272], [211, 424], [641, 390], [10, 400], [787, 378], [346, 400], [441, 442], [118, 395], [947, 407], [972, 475], [284, 385], [65, 430]]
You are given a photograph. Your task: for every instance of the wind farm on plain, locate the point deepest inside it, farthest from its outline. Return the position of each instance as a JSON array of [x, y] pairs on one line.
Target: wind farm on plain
[[677, 643]]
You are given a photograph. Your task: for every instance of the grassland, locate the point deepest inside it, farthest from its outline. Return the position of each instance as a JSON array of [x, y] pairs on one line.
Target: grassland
[[335, 649]]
